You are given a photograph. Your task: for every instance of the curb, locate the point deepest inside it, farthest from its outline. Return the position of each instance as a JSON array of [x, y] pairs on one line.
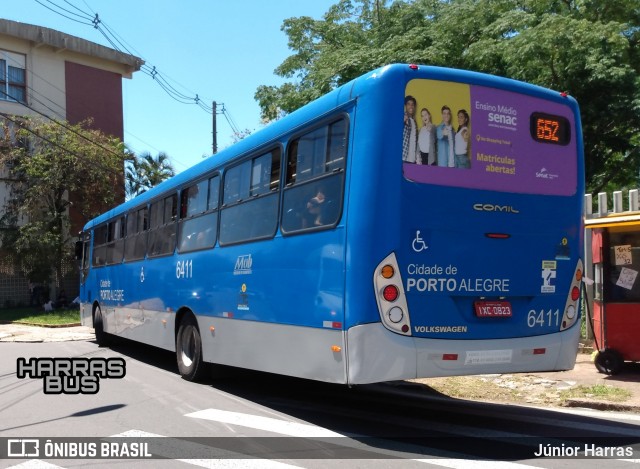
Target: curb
[[410, 389], [27, 339], [51, 326], [602, 405], [23, 323]]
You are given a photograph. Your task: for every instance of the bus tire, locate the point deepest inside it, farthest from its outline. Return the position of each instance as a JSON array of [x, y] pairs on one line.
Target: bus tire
[[609, 362], [102, 337], [189, 350]]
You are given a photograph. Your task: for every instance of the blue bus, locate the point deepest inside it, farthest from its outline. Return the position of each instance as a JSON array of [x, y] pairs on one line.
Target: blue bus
[[415, 222]]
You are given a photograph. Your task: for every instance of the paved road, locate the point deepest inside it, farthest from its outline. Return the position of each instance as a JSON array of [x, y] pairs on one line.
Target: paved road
[[286, 422]]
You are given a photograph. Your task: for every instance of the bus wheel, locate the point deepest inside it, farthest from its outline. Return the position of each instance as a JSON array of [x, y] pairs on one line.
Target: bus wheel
[[189, 350], [609, 362], [98, 327]]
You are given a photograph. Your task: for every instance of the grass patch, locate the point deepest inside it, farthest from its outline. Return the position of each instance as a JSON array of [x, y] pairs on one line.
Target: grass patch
[[469, 387], [40, 318], [597, 391]]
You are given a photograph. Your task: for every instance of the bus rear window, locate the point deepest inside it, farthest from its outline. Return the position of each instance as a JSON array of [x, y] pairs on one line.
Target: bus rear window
[[476, 137]]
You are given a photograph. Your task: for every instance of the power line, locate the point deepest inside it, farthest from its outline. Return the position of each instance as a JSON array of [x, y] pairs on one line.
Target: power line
[[56, 121], [136, 152], [75, 7], [56, 144], [61, 14], [62, 112], [113, 39], [151, 71], [120, 45], [229, 119]]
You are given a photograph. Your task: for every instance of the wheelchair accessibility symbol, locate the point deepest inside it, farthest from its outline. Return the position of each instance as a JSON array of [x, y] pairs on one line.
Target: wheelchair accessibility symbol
[[418, 243]]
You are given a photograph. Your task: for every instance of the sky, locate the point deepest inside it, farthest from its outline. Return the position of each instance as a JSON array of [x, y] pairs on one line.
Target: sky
[[219, 50]]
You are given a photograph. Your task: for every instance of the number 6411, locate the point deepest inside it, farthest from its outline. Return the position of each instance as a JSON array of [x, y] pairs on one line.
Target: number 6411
[[184, 269], [543, 318]]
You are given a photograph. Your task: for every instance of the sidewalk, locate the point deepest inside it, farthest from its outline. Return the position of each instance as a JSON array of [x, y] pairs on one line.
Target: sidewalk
[[534, 387], [24, 333], [585, 374]]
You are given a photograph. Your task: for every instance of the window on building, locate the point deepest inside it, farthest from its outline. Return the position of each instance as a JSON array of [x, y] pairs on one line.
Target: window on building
[[315, 179], [13, 77]]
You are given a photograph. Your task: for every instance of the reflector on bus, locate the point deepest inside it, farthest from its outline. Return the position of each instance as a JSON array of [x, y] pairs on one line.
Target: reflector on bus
[[571, 306], [392, 302]]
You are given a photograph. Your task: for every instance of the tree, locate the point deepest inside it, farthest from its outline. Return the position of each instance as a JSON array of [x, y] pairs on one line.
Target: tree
[[144, 172], [55, 167], [240, 135], [589, 48]]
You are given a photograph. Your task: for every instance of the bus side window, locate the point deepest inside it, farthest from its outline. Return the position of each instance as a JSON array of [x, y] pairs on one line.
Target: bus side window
[[313, 195], [115, 241], [100, 246], [250, 208], [162, 231], [198, 224], [86, 245], [135, 245]]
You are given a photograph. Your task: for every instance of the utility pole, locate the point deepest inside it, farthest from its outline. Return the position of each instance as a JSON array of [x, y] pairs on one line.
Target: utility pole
[[215, 129]]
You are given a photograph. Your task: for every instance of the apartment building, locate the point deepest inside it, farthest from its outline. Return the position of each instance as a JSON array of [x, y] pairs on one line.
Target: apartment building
[[44, 71]]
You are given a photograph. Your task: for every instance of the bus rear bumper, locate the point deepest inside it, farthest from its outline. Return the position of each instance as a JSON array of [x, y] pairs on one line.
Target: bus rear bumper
[[377, 354]]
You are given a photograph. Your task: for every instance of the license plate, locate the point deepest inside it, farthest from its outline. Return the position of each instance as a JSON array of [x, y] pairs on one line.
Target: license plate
[[493, 309]]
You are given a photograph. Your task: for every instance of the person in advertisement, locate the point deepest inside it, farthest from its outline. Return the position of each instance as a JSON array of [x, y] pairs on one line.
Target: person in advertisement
[[461, 141], [409, 134], [445, 135], [426, 139]]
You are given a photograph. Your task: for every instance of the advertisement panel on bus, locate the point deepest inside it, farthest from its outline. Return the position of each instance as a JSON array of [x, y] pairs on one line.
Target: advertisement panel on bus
[[491, 176]]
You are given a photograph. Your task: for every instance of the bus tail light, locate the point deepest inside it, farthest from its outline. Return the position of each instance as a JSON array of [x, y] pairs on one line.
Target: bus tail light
[[575, 293], [571, 307], [390, 296], [390, 293]]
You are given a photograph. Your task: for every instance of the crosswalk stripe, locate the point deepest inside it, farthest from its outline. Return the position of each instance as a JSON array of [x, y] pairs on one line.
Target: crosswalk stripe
[[311, 431], [234, 463], [35, 464], [474, 464], [269, 424]]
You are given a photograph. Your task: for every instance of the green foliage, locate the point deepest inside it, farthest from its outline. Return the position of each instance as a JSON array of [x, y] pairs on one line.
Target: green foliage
[[28, 316], [598, 392], [240, 135], [55, 167], [589, 48], [145, 171]]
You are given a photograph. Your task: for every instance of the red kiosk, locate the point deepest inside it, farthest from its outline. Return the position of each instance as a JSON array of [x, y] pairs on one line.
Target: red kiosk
[[615, 251]]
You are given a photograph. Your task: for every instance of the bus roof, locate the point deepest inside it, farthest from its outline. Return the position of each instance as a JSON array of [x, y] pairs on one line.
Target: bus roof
[[316, 110]]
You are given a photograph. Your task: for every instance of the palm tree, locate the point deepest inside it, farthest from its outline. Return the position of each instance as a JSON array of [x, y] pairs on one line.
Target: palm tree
[[145, 171], [133, 178]]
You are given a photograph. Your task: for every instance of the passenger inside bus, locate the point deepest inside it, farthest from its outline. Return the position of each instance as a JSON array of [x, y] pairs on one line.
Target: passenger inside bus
[[315, 209]]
